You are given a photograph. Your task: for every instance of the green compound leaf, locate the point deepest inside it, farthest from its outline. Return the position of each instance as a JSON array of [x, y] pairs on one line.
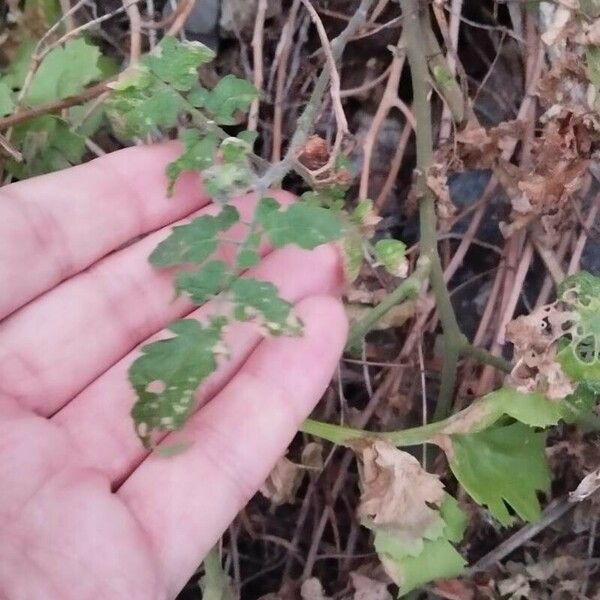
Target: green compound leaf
[[64, 72], [228, 96], [169, 371], [435, 559], [302, 224], [500, 466], [392, 255], [195, 241], [260, 301], [198, 154], [579, 353], [204, 284], [177, 63], [7, 105]]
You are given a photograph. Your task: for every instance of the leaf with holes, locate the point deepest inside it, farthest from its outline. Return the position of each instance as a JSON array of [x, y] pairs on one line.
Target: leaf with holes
[[168, 373], [502, 465], [203, 284], [579, 349], [195, 241], [260, 301]]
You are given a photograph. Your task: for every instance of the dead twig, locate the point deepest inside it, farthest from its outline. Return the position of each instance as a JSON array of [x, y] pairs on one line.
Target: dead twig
[[257, 57]]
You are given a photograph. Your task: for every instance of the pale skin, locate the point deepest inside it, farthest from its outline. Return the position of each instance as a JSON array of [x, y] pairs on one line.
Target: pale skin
[[85, 511]]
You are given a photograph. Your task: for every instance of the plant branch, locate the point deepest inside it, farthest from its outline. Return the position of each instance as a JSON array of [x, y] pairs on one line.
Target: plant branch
[[416, 40], [409, 288], [55, 106], [307, 119]]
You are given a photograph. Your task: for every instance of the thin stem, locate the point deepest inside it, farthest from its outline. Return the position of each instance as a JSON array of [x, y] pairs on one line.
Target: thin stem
[[483, 356], [453, 338], [407, 289]]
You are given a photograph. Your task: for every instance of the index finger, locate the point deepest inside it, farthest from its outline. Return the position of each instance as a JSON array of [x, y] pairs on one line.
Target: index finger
[[54, 226]]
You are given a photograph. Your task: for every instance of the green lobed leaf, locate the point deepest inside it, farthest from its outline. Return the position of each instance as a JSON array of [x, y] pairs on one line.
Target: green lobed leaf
[[168, 373], [302, 224], [198, 154], [436, 557], [177, 63], [16, 72], [64, 72], [530, 408], [195, 241], [502, 465], [47, 144], [392, 255], [248, 255], [228, 96], [7, 105], [204, 284], [260, 301]]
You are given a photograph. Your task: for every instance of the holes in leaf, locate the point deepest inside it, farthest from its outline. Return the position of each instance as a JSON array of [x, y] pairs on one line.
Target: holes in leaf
[[156, 387], [586, 350]]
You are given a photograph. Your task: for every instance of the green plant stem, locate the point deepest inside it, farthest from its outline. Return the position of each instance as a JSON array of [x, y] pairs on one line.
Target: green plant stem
[[409, 288], [483, 356], [453, 337]]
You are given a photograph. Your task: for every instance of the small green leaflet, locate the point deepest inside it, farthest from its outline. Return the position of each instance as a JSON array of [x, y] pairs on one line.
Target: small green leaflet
[[7, 105], [137, 109], [176, 63], [260, 300], [195, 241], [302, 224], [16, 72], [64, 72], [502, 465], [168, 373], [198, 154], [392, 255], [203, 284], [228, 96], [435, 559]]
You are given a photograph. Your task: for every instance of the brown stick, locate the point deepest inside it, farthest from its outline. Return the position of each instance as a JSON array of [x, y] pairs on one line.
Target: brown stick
[[56, 106]]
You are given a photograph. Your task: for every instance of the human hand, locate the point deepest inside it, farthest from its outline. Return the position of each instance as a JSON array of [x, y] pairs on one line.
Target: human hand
[[85, 512]]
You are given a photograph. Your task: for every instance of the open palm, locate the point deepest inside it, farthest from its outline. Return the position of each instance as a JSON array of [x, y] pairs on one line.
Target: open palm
[[85, 512]]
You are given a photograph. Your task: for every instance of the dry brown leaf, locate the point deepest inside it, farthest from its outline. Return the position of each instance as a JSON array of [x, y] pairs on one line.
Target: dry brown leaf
[[437, 182], [367, 588], [312, 456], [397, 493], [283, 482], [534, 338], [589, 484]]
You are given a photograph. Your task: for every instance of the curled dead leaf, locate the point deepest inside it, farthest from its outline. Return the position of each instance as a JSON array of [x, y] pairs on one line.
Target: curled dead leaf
[[283, 482], [588, 485], [437, 182], [315, 153], [397, 493], [367, 588]]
